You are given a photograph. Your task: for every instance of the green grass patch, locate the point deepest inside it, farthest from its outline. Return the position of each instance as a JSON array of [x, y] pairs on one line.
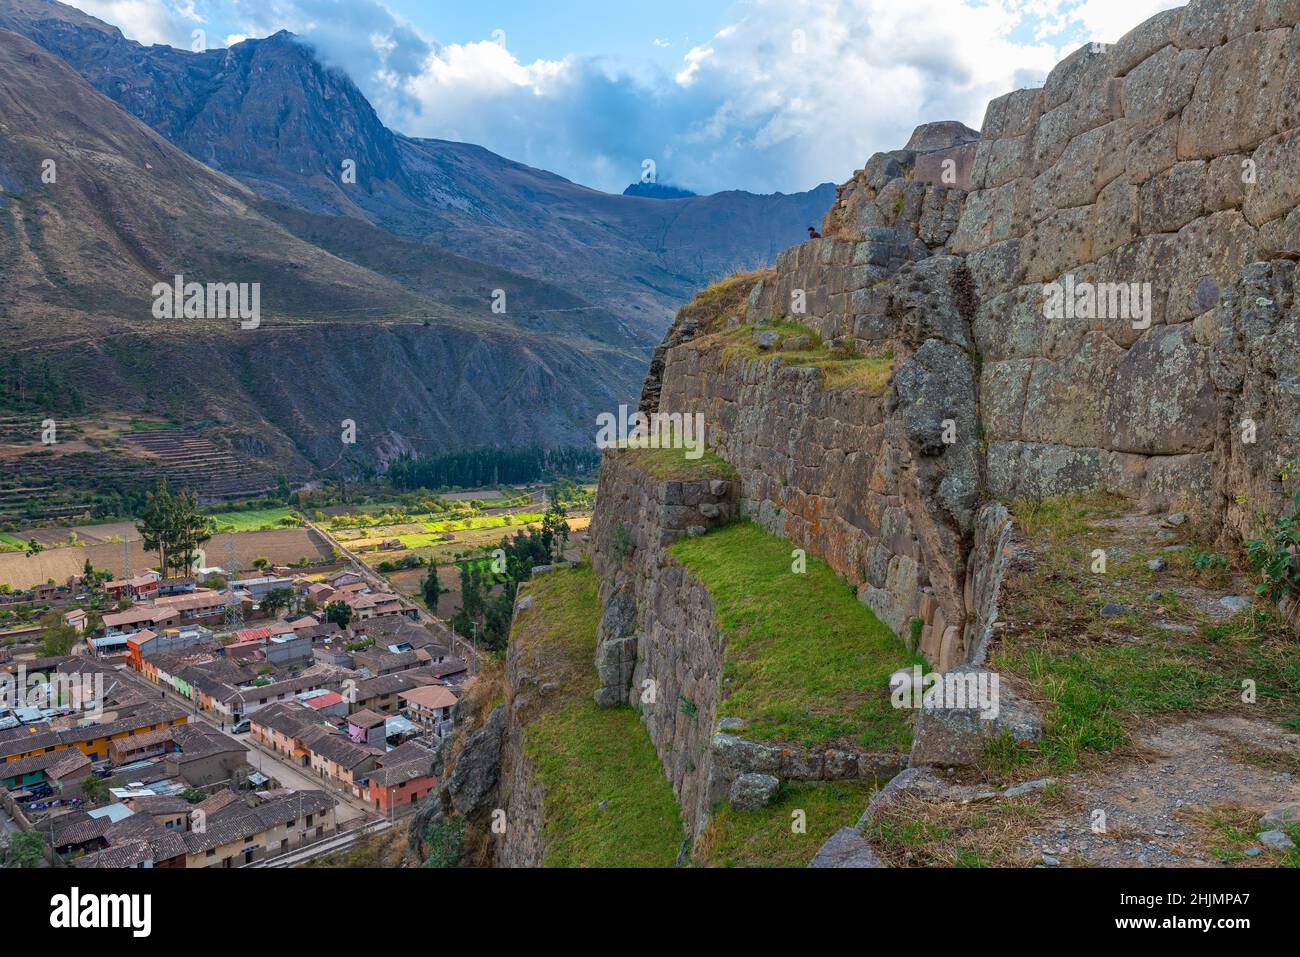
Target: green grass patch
[[767, 837], [805, 660], [584, 755], [1093, 691], [9, 542], [253, 520], [673, 465], [866, 373], [484, 521]]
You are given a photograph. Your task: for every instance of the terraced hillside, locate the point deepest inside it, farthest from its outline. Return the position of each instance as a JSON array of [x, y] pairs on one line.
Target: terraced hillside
[[188, 460]]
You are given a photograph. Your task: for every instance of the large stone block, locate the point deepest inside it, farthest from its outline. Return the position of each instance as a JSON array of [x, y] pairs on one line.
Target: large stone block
[[992, 216], [1144, 40], [1003, 388], [846, 848], [1010, 325], [1161, 399], [1012, 114], [1083, 69], [1089, 162], [1276, 190], [1237, 96], [1063, 399], [1208, 255], [958, 736], [1058, 243], [1172, 199], [1152, 152], [1033, 470], [1160, 87], [1210, 23]]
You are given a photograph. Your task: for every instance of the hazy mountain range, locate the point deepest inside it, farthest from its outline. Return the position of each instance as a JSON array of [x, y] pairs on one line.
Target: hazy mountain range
[[378, 255]]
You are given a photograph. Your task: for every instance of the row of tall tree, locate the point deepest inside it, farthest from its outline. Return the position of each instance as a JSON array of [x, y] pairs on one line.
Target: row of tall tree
[[172, 525], [489, 466]]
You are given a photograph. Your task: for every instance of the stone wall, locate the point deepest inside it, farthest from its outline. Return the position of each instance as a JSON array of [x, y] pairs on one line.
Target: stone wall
[[521, 795], [658, 647], [867, 482], [1168, 158]]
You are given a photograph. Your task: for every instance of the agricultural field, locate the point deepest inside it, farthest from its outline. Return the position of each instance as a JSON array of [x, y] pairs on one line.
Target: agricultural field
[[285, 546], [256, 520], [446, 538]]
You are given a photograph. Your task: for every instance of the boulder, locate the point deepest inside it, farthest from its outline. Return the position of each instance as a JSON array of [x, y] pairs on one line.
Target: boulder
[[1277, 840], [1282, 815], [749, 792], [957, 736], [846, 848]]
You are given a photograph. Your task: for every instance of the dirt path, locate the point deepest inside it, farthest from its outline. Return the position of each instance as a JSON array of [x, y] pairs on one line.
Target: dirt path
[[1159, 809]]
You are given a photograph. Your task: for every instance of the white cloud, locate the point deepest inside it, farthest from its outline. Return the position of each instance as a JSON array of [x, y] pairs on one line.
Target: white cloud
[[1108, 20], [148, 21], [787, 94]]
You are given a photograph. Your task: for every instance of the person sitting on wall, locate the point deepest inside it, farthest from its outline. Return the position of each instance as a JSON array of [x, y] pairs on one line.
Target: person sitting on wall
[[813, 234]]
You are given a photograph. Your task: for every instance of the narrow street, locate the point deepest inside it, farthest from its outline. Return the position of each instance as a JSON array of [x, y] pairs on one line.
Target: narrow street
[[331, 845], [267, 761]]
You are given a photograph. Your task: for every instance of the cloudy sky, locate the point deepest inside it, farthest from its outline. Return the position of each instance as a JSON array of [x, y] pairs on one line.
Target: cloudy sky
[[764, 95]]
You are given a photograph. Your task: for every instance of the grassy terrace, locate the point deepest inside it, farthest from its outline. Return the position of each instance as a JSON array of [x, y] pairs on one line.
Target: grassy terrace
[[806, 661], [765, 838], [673, 465], [1102, 676], [585, 755], [868, 373]]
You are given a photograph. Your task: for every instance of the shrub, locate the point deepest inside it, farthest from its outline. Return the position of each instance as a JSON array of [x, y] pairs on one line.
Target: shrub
[[1277, 556]]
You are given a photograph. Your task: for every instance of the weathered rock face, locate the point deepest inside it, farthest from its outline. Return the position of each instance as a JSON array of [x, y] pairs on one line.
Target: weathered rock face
[[1094, 294], [885, 488], [1165, 160]]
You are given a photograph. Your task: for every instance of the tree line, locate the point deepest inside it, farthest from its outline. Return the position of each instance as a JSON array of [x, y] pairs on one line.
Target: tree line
[[489, 466]]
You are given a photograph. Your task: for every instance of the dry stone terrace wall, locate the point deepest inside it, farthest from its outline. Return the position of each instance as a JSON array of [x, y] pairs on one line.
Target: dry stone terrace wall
[[1170, 158], [866, 482], [659, 632], [658, 622]]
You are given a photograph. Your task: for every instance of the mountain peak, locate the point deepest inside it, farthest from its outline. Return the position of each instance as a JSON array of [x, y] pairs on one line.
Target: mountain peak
[[658, 191]]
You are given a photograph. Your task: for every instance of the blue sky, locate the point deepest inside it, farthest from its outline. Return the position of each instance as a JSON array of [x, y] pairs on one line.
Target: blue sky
[[765, 95]]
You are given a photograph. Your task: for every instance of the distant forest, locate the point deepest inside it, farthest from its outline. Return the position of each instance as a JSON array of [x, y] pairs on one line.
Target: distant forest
[[29, 383], [478, 467]]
